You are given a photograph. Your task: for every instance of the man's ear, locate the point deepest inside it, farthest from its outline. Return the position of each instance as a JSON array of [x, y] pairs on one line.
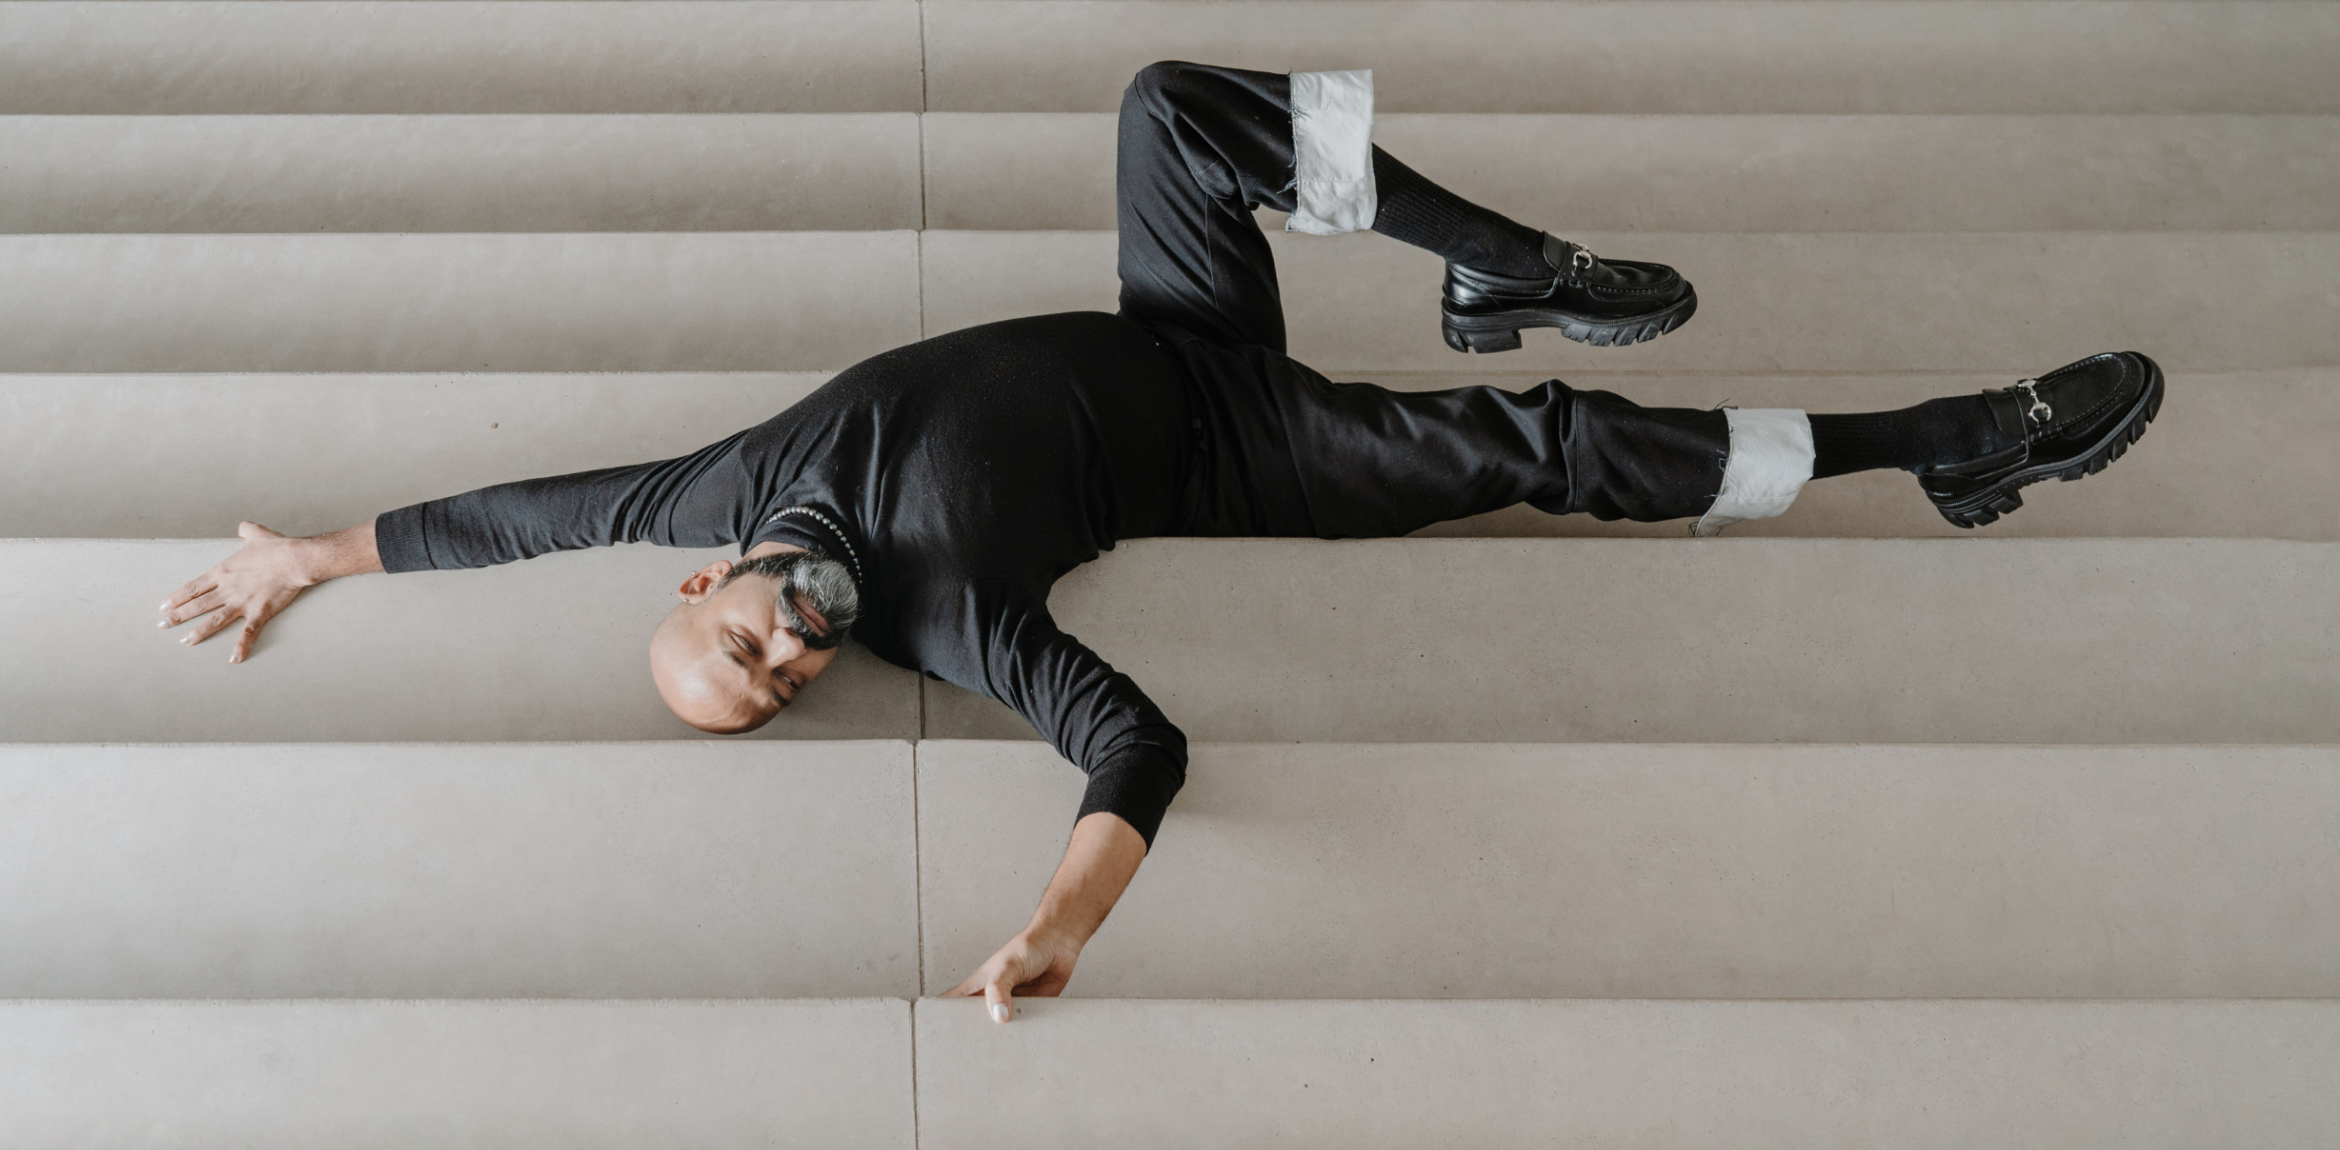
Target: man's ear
[[703, 581]]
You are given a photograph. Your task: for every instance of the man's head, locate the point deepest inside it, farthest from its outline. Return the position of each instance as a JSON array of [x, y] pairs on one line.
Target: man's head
[[748, 636]]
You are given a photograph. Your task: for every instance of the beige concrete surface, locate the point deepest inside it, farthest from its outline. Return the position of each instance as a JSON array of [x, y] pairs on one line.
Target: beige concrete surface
[[459, 173], [629, 870], [211, 56], [171, 456], [1726, 1075], [1688, 56], [752, 301], [551, 649], [1730, 173], [2012, 303], [813, 1074], [1718, 640], [2239, 455], [1621, 871]]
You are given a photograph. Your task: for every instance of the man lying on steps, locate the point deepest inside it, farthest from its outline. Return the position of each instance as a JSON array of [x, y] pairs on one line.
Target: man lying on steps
[[928, 498]]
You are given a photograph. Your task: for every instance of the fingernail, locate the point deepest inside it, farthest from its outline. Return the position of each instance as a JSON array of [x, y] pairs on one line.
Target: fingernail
[[186, 639], [999, 1012]]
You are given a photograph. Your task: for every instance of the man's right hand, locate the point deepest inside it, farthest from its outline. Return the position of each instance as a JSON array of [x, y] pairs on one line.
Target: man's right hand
[[262, 578]]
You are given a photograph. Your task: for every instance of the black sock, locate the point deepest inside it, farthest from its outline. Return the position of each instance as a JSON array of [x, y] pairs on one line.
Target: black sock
[[1933, 433], [1425, 215]]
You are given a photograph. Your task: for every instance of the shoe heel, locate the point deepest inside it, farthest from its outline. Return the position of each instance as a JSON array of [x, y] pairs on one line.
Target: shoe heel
[[1483, 342]]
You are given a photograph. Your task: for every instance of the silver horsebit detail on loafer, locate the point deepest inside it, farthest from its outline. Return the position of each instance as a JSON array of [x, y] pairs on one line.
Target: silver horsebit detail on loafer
[[2039, 412], [1581, 261]]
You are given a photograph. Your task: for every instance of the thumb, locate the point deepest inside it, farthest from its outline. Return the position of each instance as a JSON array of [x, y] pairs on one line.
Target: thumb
[[997, 1000], [249, 530]]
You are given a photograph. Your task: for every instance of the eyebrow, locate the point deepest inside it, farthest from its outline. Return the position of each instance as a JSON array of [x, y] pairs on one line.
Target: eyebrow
[[779, 704]]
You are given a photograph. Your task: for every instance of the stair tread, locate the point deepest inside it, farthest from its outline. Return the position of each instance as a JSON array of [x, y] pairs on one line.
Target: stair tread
[[1734, 640], [499, 870], [1692, 1074], [1710, 56], [1325, 870], [404, 1073], [1731, 172], [355, 56]]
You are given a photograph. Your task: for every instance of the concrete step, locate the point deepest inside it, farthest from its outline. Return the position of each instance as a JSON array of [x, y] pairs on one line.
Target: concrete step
[[553, 650], [1730, 640], [629, 173], [1039, 171], [338, 56], [1617, 640], [458, 1074], [145, 456], [2238, 454], [1732, 173], [1621, 871], [2007, 303], [756, 301], [1736, 1075], [578, 870], [2012, 303], [1688, 56]]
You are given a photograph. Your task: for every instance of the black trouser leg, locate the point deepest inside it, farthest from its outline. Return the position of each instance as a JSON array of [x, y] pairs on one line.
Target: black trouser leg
[[1285, 451]]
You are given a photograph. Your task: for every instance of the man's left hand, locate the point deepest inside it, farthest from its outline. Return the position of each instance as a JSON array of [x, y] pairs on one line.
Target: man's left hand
[[1104, 853], [1033, 964]]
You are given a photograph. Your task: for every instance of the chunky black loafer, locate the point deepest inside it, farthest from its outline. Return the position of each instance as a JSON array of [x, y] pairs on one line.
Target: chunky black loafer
[[2071, 423], [1605, 303]]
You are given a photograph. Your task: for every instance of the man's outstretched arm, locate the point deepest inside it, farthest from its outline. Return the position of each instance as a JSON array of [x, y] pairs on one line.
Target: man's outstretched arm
[[1102, 858], [263, 577]]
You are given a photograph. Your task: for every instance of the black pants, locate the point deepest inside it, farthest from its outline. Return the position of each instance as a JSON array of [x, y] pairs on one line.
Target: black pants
[[1281, 450]]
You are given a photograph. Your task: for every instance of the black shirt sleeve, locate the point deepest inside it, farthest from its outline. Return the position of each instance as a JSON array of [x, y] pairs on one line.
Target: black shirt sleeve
[[1092, 714], [703, 499]]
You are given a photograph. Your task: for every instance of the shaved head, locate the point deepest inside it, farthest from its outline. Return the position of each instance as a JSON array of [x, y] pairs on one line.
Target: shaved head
[[747, 637]]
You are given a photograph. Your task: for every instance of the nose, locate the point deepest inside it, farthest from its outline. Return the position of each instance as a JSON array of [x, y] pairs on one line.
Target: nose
[[785, 647]]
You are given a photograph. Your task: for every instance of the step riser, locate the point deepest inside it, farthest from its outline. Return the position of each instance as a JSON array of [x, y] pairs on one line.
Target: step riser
[[401, 1074], [1819, 302], [1732, 173], [1731, 1076], [1729, 640], [555, 649], [383, 871], [766, 301], [458, 173], [1474, 871], [2235, 455], [234, 58], [1692, 56], [759, 301]]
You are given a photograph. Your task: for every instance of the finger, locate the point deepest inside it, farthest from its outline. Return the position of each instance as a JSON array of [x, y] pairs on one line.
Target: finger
[[969, 987], [201, 604], [210, 626], [997, 999], [193, 587], [245, 639]]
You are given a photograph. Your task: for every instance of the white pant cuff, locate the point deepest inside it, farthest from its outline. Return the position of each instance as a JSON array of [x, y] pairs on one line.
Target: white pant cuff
[[1332, 146], [1769, 463]]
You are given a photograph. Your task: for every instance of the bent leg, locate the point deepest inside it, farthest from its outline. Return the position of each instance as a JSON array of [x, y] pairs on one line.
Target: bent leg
[[1199, 148]]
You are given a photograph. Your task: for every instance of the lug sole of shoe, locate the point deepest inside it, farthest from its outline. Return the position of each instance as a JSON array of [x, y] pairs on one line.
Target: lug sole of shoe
[[1487, 334], [1987, 505]]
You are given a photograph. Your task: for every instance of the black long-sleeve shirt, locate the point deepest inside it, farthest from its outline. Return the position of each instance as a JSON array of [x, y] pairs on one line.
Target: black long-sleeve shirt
[[968, 472]]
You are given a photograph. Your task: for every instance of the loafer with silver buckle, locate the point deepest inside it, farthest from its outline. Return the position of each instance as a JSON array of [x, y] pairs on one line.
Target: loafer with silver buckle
[[1606, 303], [2071, 423]]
